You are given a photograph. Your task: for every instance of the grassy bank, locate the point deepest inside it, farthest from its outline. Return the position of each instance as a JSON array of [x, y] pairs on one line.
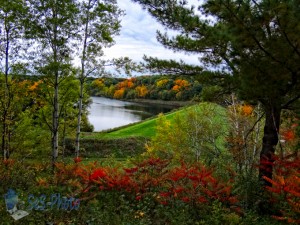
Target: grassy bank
[[162, 102], [126, 141], [121, 142], [145, 128]]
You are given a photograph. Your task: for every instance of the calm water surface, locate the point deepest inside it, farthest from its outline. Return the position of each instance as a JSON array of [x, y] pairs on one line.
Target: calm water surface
[[105, 113]]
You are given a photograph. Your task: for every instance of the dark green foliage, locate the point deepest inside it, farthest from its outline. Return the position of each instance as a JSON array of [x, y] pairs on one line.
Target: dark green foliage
[[257, 43], [102, 148], [170, 67]]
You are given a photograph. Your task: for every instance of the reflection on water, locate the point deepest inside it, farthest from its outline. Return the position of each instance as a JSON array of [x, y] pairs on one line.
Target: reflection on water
[[108, 113]]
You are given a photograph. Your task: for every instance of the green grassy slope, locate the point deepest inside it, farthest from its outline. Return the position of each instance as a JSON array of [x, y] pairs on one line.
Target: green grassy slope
[[145, 128]]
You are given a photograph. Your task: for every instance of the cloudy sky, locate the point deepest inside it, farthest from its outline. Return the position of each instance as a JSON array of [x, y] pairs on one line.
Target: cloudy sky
[[138, 37]]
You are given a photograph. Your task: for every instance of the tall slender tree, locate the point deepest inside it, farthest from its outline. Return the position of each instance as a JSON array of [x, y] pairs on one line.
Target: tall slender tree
[[11, 33], [99, 22], [257, 43], [53, 26]]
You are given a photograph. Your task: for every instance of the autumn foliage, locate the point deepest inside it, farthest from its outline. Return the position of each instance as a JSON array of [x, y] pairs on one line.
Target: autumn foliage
[[152, 177], [285, 189], [149, 87], [142, 91], [119, 93], [180, 84]]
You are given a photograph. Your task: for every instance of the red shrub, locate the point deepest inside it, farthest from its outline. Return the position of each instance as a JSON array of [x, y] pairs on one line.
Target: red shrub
[[285, 187], [191, 184], [77, 160], [97, 174]]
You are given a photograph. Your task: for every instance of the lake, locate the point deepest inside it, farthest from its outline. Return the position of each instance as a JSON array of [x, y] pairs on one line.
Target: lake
[[106, 113]]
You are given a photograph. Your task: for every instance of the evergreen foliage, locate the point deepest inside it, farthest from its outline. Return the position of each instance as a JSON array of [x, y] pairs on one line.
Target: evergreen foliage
[[254, 42]]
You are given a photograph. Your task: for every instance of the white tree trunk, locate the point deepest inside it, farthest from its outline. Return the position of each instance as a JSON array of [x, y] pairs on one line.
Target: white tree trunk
[[55, 123]]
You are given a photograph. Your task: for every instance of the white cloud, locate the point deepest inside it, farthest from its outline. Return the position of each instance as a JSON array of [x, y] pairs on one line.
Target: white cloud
[[138, 37]]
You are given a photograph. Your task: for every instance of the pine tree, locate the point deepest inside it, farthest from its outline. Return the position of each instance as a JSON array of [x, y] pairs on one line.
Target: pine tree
[[255, 43]]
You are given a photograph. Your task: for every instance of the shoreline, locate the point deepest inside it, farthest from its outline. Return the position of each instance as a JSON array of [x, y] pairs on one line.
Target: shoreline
[[161, 102], [153, 101]]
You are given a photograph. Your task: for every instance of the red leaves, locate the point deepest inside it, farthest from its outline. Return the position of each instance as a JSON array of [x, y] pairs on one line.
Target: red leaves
[[97, 174], [165, 194], [191, 184], [202, 199], [178, 190], [77, 160], [120, 183], [138, 198], [153, 164], [131, 170], [185, 199], [178, 173], [195, 184], [288, 135], [285, 189], [8, 162]]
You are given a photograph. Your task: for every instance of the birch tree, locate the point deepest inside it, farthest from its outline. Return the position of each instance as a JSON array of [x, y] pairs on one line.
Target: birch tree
[[53, 25], [99, 23]]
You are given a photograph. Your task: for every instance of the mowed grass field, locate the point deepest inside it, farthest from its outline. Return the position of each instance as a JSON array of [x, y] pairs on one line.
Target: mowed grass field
[[146, 128]]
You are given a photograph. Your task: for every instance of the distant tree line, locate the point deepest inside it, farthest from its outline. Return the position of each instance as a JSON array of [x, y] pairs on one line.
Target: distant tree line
[[179, 88]]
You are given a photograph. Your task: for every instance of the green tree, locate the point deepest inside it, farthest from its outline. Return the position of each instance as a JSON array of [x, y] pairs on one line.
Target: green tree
[[68, 99], [99, 21], [257, 43], [53, 25], [11, 32], [196, 134]]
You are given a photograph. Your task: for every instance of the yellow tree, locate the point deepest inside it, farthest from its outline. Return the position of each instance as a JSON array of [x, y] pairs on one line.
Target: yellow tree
[[142, 91]]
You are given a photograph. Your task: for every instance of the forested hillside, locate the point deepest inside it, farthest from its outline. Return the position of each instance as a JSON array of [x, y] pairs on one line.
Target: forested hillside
[[180, 88]]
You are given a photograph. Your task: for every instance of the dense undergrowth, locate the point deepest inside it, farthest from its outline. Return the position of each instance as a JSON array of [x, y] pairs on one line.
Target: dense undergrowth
[[203, 175], [146, 191]]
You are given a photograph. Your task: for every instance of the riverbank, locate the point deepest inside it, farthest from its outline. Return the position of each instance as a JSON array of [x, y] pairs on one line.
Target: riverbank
[[162, 102], [107, 113], [127, 140]]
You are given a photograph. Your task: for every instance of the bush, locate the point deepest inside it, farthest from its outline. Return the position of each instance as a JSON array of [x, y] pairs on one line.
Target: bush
[[285, 189], [151, 192], [124, 147]]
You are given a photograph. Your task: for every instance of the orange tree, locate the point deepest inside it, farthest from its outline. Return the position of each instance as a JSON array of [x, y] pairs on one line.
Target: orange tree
[[142, 91]]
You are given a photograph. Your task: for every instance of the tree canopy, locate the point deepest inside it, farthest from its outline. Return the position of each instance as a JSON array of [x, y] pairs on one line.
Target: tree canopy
[[46, 34], [255, 43]]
